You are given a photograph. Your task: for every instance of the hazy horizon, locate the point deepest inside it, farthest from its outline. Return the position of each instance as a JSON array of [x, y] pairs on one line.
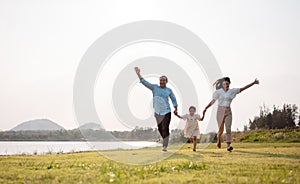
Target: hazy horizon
[[42, 43]]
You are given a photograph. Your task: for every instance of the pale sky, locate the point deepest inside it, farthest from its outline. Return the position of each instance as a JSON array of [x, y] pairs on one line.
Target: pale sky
[[42, 42]]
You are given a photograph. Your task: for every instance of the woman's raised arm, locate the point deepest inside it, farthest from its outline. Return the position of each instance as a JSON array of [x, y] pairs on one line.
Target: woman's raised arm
[[249, 85]]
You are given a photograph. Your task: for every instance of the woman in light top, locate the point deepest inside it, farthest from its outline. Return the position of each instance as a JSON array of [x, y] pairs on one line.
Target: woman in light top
[[191, 129], [225, 95]]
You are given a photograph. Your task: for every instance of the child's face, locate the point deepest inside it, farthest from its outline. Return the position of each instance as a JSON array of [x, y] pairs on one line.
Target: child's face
[[192, 111]]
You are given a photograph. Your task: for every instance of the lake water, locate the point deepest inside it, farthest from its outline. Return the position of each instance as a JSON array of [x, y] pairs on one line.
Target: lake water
[[44, 147]]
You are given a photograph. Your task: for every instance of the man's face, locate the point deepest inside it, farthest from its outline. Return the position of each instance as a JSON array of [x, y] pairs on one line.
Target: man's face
[[163, 81]]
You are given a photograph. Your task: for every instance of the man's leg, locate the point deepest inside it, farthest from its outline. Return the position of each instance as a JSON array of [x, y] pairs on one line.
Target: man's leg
[[165, 130], [159, 119]]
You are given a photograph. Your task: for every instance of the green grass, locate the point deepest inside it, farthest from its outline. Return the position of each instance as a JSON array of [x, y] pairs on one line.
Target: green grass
[[279, 135], [249, 163]]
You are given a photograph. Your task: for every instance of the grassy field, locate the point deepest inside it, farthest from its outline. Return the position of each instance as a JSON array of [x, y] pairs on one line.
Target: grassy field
[[249, 163], [278, 135]]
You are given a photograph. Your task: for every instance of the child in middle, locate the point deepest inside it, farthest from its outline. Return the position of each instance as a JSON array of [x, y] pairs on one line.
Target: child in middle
[[191, 129]]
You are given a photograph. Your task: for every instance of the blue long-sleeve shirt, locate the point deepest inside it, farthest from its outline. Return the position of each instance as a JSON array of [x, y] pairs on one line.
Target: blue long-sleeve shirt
[[161, 96]]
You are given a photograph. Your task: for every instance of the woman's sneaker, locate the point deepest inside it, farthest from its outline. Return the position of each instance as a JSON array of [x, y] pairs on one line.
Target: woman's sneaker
[[230, 148]]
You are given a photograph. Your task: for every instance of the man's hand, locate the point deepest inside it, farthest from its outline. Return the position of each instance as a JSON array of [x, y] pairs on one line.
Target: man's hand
[[137, 70], [175, 111]]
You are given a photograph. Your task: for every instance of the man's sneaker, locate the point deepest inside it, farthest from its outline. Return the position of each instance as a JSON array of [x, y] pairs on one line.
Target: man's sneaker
[[164, 149]]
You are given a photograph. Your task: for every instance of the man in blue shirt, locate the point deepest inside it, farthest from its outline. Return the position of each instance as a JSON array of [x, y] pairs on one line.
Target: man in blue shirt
[[161, 94]]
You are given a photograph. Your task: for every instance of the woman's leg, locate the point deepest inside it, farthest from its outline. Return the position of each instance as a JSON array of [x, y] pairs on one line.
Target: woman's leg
[[228, 123], [220, 120], [220, 133]]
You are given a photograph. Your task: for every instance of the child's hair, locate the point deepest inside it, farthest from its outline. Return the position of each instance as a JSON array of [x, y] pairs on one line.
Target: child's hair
[[219, 82], [192, 107]]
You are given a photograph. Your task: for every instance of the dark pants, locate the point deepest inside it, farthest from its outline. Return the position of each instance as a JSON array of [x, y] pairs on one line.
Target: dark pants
[[163, 122]]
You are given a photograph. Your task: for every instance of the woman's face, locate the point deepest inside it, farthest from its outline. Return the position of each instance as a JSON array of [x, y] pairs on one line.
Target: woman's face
[[226, 85], [163, 82]]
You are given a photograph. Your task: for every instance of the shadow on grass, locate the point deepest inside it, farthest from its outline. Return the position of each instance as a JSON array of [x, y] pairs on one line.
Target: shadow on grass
[[178, 155], [270, 154], [212, 153]]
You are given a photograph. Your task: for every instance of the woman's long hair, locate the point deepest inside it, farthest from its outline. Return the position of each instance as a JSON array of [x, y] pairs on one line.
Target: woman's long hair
[[219, 82]]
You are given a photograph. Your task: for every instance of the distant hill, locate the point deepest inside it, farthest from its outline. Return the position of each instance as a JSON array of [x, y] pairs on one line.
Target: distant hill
[[38, 124], [91, 126]]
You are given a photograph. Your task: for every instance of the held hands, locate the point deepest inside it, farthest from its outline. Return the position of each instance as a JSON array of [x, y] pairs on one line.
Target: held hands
[[175, 112], [203, 114], [204, 111]]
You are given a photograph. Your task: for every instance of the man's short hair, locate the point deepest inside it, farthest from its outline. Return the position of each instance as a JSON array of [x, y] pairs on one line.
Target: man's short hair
[[163, 76]]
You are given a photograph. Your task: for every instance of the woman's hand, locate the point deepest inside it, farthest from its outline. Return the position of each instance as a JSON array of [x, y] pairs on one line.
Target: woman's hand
[[204, 111], [203, 114], [256, 81]]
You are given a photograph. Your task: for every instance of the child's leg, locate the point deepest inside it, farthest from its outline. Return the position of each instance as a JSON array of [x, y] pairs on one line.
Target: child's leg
[[194, 142]]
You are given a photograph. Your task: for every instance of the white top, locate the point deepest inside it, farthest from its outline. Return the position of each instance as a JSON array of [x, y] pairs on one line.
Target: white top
[[225, 97], [191, 121]]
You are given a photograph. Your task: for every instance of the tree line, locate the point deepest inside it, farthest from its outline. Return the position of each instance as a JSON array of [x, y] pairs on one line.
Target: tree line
[[277, 118]]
